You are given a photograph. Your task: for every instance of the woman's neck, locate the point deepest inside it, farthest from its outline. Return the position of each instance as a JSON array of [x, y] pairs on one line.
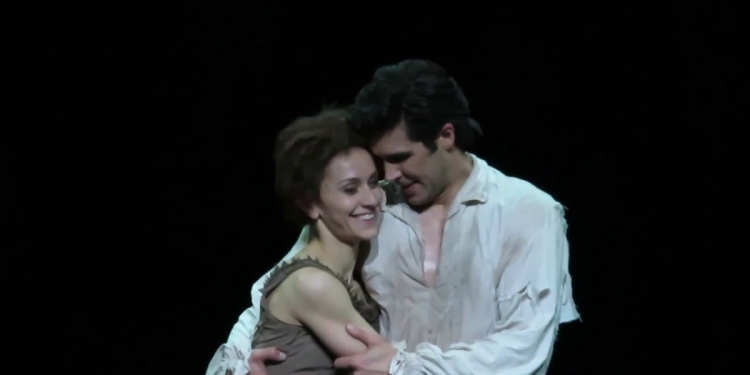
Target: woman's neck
[[339, 256]]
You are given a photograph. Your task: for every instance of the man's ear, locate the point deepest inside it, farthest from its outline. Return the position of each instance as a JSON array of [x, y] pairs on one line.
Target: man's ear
[[447, 137]]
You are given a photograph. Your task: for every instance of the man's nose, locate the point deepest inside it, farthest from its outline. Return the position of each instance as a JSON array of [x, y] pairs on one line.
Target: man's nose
[[392, 172]]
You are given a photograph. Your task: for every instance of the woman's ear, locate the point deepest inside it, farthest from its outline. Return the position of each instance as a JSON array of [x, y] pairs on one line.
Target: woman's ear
[[313, 213], [311, 210]]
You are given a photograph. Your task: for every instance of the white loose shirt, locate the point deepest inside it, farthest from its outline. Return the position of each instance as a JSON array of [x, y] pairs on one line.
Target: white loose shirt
[[502, 288]]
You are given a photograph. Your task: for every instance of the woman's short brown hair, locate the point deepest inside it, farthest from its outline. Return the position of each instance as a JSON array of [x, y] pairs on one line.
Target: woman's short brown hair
[[302, 152]]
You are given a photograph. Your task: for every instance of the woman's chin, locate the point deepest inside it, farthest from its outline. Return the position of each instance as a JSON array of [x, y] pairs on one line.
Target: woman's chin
[[367, 235]]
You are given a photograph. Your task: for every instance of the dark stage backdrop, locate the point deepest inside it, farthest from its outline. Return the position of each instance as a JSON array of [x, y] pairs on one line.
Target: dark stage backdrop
[[166, 118]]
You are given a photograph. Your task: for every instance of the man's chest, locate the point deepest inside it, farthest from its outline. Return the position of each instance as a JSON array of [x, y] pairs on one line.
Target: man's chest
[[431, 253], [396, 274], [429, 229]]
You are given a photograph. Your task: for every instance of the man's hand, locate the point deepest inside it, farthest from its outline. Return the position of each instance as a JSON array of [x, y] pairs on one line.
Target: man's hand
[[259, 357], [376, 360]]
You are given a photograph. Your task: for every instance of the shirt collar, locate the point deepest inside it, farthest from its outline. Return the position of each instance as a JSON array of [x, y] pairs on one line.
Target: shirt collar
[[475, 187], [474, 190]]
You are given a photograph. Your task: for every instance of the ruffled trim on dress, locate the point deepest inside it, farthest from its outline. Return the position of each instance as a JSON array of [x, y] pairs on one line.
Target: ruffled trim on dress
[[361, 301]]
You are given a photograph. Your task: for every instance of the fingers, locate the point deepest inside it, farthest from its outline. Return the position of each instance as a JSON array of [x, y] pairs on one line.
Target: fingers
[[257, 369], [265, 355], [259, 357], [368, 338], [345, 362]]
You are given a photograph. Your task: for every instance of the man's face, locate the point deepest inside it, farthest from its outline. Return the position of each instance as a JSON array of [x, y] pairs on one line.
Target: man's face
[[419, 171]]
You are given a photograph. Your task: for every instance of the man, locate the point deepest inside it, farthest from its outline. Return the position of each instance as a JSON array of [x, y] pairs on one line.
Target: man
[[471, 268]]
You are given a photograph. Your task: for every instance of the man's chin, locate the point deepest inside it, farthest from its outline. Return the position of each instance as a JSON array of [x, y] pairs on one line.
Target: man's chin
[[417, 201]]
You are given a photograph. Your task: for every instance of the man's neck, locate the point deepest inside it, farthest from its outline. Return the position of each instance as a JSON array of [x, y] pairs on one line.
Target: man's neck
[[459, 170]]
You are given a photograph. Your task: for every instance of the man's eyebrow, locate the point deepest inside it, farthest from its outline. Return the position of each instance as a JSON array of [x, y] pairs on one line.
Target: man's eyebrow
[[398, 155]]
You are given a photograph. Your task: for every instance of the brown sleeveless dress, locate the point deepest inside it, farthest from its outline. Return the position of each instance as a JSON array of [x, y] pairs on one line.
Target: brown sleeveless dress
[[305, 354]]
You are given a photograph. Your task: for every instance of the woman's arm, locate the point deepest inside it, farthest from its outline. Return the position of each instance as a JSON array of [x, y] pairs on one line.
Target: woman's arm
[[321, 302]]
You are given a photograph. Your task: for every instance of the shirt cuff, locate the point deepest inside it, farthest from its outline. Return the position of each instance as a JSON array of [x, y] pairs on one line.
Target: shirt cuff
[[228, 361], [405, 363]]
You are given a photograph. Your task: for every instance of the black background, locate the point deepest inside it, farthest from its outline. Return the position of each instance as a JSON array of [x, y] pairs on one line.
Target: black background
[[156, 171]]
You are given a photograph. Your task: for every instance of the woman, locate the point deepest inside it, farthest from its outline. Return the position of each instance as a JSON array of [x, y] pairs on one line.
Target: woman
[[327, 179]]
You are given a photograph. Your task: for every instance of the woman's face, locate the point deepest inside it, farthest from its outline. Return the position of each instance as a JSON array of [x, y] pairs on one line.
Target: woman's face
[[350, 197]]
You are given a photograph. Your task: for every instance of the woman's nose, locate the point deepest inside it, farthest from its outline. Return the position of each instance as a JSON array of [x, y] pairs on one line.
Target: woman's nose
[[372, 197]]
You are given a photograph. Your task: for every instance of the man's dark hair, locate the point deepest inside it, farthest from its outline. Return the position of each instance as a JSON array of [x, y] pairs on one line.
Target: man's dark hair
[[422, 94], [302, 152]]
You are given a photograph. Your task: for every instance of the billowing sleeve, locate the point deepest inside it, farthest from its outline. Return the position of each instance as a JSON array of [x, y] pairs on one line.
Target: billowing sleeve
[[534, 295], [232, 357]]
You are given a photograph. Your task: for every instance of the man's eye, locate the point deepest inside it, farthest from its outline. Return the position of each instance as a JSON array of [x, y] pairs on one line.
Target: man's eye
[[397, 160]]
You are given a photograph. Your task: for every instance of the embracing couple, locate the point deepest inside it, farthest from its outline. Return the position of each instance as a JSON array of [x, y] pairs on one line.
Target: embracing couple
[[449, 267]]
